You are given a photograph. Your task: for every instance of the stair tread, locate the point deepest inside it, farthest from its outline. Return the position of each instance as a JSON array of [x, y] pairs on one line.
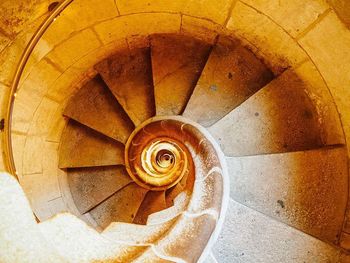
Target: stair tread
[[136, 234], [90, 186], [84, 147], [120, 207], [95, 106], [180, 204], [177, 62], [278, 118], [154, 201], [306, 189], [231, 75], [249, 236], [128, 74], [78, 242]]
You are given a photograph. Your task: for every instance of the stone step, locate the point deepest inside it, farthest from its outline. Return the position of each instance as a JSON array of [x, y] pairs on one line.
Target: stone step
[[128, 74], [231, 75], [154, 201], [84, 147], [120, 207], [95, 106], [136, 234], [250, 237], [165, 215], [91, 185], [278, 118], [177, 62], [307, 190], [211, 258], [77, 242]]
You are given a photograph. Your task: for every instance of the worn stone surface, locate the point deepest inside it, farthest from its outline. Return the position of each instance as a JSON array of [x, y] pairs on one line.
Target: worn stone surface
[[304, 13], [265, 37], [278, 118], [231, 75], [83, 147], [128, 73], [210, 10], [136, 234], [154, 201], [90, 186], [249, 236], [201, 28], [307, 190], [328, 44], [142, 24], [318, 92], [120, 207], [189, 232], [177, 63], [94, 106]]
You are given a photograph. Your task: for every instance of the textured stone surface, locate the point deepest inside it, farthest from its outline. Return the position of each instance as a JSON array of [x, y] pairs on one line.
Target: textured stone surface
[[282, 115], [231, 75], [95, 106], [120, 207], [136, 234], [82, 147], [20, 239], [265, 37], [90, 186], [201, 28], [70, 50], [249, 236], [187, 239], [138, 25], [328, 44], [307, 190], [154, 201], [130, 73], [177, 63], [304, 13], [210, 10]]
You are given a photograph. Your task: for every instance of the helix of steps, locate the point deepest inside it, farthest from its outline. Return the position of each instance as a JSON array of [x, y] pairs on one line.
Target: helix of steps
[[157, 138]]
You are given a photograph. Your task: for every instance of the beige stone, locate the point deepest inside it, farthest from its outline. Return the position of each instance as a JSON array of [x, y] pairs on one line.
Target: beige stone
[[177, 63], [70, 50], [138, 24], [328, 44], [126, 74], [281, 113], [303, 13], [41, 76], [216, 11], [201, 28], [189, 232], [318, 92], [230, 69], [154, 201], [25, 104], [50, 169], [32, 158], [42, 117], [249, 236], [82, 147], [306, 190], [95, 106], [18, 142], [91, 186], [271, 42], [120, 207]]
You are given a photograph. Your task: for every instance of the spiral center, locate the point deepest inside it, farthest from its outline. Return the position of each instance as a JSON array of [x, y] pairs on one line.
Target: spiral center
[[165, 158], [156, 157]]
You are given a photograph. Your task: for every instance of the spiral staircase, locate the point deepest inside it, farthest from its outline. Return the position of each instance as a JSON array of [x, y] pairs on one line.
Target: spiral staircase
[[155, 144]]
